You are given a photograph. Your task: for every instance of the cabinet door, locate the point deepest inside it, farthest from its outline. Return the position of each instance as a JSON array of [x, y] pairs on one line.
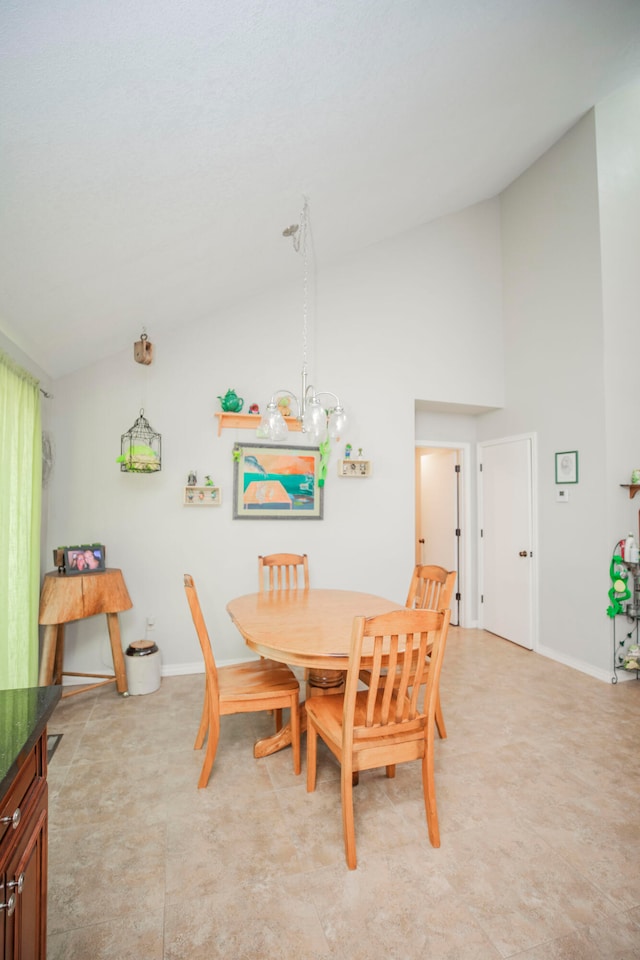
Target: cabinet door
[[3, 917], [26, 877]]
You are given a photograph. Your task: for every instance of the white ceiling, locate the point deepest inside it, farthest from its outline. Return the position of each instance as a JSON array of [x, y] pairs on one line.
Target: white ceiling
[[152, 151]]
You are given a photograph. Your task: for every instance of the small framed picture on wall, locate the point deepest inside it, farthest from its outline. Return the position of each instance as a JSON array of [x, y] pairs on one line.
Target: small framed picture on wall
[[567, 466]]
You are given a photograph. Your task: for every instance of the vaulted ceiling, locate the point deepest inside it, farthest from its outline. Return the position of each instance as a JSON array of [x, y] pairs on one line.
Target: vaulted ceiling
[[152, 152]]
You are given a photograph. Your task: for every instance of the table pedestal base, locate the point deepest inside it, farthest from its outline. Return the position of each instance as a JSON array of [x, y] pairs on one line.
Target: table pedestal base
[[278, 741], [319, 683]]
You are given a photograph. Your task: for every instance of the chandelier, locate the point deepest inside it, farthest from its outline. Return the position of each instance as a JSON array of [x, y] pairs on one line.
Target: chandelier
[[319, 412]]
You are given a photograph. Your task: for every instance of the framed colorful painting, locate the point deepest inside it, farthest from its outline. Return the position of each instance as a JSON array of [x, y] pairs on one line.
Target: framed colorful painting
[[276, 482]]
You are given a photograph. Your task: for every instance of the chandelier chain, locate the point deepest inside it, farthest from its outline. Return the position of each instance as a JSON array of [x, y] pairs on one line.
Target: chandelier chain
[[302, 245]]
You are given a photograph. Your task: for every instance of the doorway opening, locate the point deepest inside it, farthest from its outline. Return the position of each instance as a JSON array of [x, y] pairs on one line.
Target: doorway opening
[[441, 513]]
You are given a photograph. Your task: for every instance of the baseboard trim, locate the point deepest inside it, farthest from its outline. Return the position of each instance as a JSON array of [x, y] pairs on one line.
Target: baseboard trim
[[605, 675]]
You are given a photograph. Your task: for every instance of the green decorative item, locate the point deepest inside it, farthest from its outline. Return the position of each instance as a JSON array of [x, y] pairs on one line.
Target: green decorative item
[[231, 402], [139, 459], [619, 591], [325, 449], [236, 453]]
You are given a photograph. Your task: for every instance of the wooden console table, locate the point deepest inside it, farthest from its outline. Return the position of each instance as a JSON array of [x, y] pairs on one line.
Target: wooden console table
[[67, 597]]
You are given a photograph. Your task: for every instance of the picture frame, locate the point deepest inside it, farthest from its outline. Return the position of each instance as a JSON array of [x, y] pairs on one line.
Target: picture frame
[[85, 558], [276, 482], [567, 466]]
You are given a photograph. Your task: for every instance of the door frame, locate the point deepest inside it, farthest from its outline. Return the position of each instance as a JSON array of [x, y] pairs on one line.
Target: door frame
[[464, 586], [535, 619]]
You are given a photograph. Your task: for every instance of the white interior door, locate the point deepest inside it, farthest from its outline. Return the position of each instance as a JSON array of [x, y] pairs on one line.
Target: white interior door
[[506, 542]]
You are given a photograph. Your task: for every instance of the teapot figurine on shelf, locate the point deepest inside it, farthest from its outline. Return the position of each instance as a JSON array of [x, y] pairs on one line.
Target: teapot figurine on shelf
[[231, 402]]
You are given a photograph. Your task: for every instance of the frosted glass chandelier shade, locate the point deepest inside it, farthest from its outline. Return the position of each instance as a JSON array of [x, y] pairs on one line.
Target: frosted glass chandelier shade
[[272, 425]]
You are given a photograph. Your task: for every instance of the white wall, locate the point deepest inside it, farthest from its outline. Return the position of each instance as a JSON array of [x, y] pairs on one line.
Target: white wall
[[618, 144], [555, 384], [416, 317]]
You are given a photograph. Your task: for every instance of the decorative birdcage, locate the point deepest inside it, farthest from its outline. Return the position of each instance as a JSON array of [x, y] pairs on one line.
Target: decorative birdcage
[[141, 448]]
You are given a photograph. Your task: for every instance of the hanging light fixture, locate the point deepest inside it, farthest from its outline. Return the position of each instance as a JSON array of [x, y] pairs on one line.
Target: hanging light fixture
[[320, 420]]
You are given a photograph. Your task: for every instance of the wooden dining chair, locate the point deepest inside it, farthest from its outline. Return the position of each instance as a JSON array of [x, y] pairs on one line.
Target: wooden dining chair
[[240, 688], [283, 571], [431, 588], [386, 723]]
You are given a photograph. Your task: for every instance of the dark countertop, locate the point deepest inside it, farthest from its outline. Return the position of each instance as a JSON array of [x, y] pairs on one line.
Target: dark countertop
[[23, 716]]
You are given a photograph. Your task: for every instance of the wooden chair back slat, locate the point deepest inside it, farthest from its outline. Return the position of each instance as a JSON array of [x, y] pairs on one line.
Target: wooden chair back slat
[[283, 571], [431, 588], [395, 664]]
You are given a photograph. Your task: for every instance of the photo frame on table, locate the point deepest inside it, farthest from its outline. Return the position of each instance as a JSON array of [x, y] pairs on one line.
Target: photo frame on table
[[87, 558], [567, 466], [276, 482]]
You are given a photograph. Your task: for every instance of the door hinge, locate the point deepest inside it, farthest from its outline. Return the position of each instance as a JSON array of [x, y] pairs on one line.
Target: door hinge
[[482, 598], [480, 467], [458, 532], [458, 596], [457, 468], [481, 532]]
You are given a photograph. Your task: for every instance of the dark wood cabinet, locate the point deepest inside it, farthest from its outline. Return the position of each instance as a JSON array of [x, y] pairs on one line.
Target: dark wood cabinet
[[23, 861], [24, 822]]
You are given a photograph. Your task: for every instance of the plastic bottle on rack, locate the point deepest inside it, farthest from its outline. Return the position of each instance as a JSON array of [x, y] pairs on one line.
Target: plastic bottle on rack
[[631, 552]]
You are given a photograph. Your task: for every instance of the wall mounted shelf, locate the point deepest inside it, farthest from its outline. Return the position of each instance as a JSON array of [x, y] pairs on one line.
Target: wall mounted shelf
[[202, 496], [632, 488], [249, 421], [354, 468]]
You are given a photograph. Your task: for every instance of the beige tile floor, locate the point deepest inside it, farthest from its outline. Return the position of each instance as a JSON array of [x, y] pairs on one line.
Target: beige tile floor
[[538, 789]]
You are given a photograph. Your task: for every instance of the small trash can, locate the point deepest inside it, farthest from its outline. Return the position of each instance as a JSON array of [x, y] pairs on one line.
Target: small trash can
[[143, 667]]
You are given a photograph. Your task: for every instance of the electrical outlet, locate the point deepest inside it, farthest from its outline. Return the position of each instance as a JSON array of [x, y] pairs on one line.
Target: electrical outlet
[[151, 622]]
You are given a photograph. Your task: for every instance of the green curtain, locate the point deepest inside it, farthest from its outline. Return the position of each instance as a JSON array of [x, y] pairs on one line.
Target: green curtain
[[20, 508]]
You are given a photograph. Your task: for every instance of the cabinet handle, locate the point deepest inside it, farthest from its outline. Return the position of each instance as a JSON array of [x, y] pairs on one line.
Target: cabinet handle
[[10, 905], [13, 820], [19, 883]]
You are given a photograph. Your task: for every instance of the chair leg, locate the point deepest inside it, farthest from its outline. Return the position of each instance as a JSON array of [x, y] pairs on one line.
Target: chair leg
[[204, 721], [348, 826], [312, 756], [442, 730], [278, 716], [213, 737], [429, 788], [391, 770], [295, 732]]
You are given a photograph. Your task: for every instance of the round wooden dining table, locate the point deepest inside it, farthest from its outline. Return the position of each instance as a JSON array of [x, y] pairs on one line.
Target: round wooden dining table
[[305, 628]]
